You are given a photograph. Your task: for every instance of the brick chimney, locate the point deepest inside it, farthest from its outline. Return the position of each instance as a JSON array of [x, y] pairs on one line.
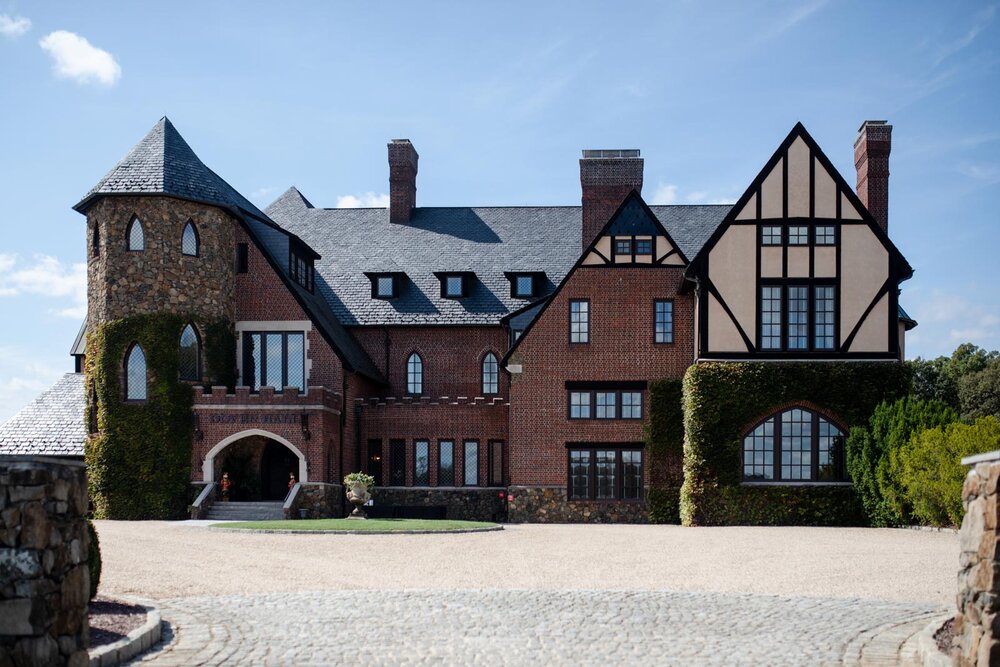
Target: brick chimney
[[606, 178], [402, 180], [871, 158]]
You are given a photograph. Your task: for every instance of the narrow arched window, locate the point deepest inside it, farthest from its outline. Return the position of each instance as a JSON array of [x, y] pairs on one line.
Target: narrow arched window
[[135, 374], [491, 374], [189, 240], [414, 374], [794, 445], [96, 240], [136, 235], [189, 355]]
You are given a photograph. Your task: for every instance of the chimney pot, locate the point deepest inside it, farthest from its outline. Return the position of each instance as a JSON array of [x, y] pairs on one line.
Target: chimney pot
[[606, 178], [871, 159], [402, 180]]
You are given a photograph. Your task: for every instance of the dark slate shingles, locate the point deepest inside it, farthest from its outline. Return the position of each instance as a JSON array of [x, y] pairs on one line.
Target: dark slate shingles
[[51, 425]]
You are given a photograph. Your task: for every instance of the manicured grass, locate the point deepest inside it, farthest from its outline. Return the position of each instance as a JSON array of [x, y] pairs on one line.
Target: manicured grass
[[371, 525]]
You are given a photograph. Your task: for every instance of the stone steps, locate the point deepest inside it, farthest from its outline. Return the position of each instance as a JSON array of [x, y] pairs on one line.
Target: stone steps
[[245, 511]]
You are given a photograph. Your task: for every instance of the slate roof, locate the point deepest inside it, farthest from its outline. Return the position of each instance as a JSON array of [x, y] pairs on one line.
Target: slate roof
[[488, 241], [51, 425]]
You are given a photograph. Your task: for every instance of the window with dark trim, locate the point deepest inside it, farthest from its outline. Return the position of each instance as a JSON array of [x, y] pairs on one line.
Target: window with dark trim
[[605, 404], [414, 374], [135, 236], [623, 246], [525, 284], [798, 235], [455, 285], [274, 359], [823, 320], [190, 242], [189, 354], [136, 378], [446, 463], [496, 463], [798, 318], [826, 235], [644, 246], [242, 257], [663, 321], [421, 463], [470, 463], [301, 269], [579, 321], [385, 285], [579, 404], [771, 235], [605, 473], [794, 445], [375, 460], [491, 374], [397, 462]]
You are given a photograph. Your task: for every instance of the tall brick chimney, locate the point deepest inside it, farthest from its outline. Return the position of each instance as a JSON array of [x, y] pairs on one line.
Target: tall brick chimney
[[606, 178], [871, 158], [402, 180]]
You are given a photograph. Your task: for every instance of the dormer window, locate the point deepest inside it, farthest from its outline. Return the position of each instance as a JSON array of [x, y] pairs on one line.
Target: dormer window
[[455, 285], [301, 269], [385, 285], [525, 285]]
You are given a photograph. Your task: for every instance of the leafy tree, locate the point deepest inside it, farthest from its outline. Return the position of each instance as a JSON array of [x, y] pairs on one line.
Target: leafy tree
[[939, 379], [931, 472], [979, 393], [872, 455]]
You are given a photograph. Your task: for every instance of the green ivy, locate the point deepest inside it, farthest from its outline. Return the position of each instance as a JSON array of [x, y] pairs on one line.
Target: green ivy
[[220, 353], [139, 461], [664, 450], [93, 559], [723, 399]]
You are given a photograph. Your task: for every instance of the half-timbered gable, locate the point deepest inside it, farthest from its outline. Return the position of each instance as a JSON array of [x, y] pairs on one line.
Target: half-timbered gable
[[799, 268]]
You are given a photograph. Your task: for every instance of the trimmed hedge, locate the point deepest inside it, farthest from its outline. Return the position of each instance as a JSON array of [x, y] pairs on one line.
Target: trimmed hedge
[[722, 400], [665, 449], [139, 460]]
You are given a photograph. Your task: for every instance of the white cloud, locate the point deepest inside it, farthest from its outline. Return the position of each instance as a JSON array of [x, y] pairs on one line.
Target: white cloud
[[48, 277], [982, 20], [668, 193], [947, 319], [665, 193], [263, 195], [73, 57], [365, 200], [21, 381], [13, 26]]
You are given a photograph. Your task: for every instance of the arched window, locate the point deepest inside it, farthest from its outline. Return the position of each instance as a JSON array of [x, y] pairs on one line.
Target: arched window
[[136, 236], [96, 241], [491, 374], [189, 240], [414, 374], [135, 373], [794, 445], [189, 355]]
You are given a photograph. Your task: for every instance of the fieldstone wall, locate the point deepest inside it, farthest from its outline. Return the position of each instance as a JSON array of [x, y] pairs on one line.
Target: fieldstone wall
[[44, 580], [977, 624], [322, 501], [467, 504], [549, 504]]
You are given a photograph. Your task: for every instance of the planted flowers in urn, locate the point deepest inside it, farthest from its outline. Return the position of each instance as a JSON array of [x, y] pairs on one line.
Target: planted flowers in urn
[[359, 487]]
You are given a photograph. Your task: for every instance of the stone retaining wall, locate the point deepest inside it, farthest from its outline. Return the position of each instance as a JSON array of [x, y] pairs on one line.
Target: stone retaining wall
[[467, 504], [977, 624], [321, 501], [44, 580], [549, 504]]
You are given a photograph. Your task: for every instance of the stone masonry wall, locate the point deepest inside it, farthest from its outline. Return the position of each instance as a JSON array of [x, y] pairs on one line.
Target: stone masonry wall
[[977, 623], [44, 580], [549, 504], [482, 504]]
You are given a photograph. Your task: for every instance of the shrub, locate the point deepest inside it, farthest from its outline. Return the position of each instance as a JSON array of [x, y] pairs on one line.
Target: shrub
[[93, 559], [979, 393], [931, 470], [872, 455], [664, 450]]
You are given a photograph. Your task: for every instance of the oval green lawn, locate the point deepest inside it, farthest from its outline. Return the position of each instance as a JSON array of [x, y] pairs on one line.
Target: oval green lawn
[[356, 526]]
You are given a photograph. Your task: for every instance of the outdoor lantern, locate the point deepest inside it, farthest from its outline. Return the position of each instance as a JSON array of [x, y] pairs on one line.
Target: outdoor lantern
[[305, 426]]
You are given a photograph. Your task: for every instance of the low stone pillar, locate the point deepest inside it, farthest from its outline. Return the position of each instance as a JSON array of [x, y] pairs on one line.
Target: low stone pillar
[[977, 623], [44, 580]]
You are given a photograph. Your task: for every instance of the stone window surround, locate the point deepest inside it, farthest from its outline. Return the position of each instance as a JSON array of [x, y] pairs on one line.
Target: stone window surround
[[304, 326]]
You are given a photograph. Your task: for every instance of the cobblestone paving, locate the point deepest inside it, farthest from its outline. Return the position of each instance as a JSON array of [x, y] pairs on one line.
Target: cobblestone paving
[[518, 627]]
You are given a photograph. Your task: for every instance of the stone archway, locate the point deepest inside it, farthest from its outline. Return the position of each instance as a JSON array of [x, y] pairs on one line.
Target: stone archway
[[208, 466]]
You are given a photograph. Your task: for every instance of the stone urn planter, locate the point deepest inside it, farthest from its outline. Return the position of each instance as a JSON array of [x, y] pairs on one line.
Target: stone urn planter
[[359, 487]]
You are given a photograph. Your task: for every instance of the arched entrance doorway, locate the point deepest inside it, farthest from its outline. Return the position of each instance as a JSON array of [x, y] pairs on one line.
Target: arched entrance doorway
[[258, 463], [277, 462]]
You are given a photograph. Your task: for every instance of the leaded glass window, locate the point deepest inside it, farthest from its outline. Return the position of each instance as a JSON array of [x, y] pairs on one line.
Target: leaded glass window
[[491, 374], [798, 318], [421, 463], [414, 374], [823, 326], [758, 452], [189, 240], [397, 462], [471, 462], [808, 446], [579, 321], [796, 444], [385, 286], [605, 474], [831, 451], [274, 359], [189, 355], [135, 374], [454, 286], [579, 474], [663, 321], [524, 286], [770, 318], [606, 404], [136, 235], [631, 475], [446, 463]]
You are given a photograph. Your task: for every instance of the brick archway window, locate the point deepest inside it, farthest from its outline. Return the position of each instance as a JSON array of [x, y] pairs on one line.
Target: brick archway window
[[136, 379], [491, 374], [189, 354], [794, 445], [135, 235], [190, 243], [414, 374]]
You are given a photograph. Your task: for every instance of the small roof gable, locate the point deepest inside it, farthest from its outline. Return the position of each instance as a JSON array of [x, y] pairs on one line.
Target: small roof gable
[[51, 425]]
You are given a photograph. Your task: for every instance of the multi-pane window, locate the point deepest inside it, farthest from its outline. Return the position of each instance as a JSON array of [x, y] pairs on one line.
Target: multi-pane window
[[603, 473], [798, 317], [446, 463], [189, 355], [491, 374], [771, 235], [524, 286], [421, 463], [189, 240], [414, 374], [770, 318], [274, 359], [807, 447], [135, 374], [579, 404], [663, 321], [623, 247], [136, 235], [454, 287], [798, 235], [606, 404], [385, 287], [471, 462], [397, 462], [823, 323], [631, 405], [301, 269], [643, 247], [579, 321], [825, 235]]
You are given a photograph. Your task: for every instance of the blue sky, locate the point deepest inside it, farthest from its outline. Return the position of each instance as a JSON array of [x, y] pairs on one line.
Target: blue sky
[[498, 98]]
